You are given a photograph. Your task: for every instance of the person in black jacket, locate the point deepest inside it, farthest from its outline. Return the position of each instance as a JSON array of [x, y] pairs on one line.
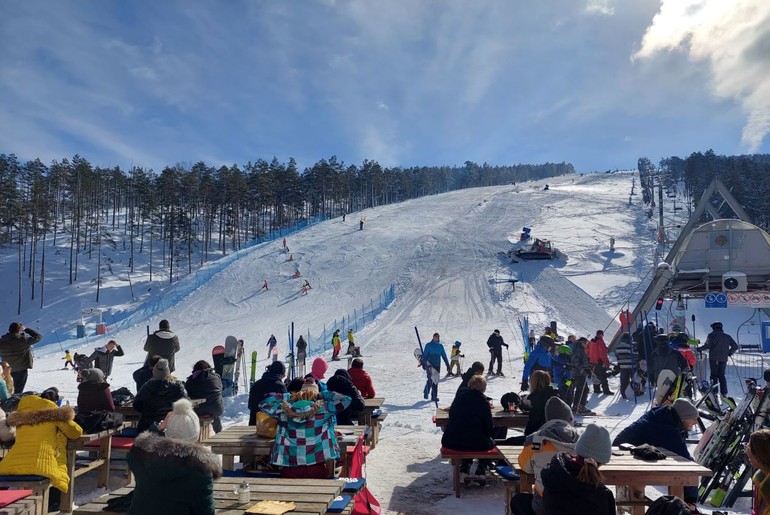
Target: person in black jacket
[[470, 425], [271, 382], [477, 369], [102, 357], [720, 346], [144, 374], [157, 396], [495, 343], [665, 427], [204, 383], [540, 391], [341, 383], [573, 485]]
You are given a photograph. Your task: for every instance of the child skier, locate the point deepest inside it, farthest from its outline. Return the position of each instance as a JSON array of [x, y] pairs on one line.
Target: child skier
[[68, 360], [454, 360], [562, 371]]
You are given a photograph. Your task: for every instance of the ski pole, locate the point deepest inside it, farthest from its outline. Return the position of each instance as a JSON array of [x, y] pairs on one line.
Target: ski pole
[[510, 365]]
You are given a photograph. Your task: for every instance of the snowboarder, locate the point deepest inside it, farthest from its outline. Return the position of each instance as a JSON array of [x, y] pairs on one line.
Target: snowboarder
[[284, 244], [361, 224], [432, 356], [264, 285], [495, 343], [336, 345], [343, 216], [68, 360], [720, 346], [272, 349], [291, 257], [305, 287], [454, 359]]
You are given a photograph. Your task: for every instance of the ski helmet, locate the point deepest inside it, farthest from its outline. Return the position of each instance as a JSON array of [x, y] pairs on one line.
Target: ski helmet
[[717, 326], [458, 343], [565, 349]]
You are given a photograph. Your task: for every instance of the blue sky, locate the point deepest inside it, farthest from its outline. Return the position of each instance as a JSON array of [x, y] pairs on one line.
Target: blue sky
[[598, 83]]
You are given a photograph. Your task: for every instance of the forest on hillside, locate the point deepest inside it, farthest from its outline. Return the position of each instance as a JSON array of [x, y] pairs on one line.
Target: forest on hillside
[[745, 176], [193, 213]]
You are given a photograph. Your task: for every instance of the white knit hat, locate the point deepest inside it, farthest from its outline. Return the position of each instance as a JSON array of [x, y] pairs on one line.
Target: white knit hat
[[183, 424]]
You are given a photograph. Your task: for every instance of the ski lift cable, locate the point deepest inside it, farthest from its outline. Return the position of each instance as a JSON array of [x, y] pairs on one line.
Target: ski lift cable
[[627, 303]]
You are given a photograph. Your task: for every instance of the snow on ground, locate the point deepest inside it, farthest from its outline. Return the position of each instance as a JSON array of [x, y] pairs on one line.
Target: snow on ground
[[442, 253]]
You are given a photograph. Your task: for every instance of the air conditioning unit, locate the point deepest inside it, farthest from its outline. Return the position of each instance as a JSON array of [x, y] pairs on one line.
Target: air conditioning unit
[[734, 281]]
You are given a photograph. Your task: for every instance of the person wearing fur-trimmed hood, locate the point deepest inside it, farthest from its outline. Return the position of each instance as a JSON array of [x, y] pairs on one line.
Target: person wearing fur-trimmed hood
[[42, 432], [173, 473]]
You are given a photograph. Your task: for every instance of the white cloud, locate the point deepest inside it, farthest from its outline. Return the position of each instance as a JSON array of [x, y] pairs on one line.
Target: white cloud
[[733, 38], [602, 7]]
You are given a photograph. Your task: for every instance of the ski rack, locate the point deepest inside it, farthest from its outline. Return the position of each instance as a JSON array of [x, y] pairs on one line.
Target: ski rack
[[723, 453]]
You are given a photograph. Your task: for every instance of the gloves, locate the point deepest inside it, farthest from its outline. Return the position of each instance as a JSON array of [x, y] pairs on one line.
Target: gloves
[[648, 452], [506, 345], [524, 385]]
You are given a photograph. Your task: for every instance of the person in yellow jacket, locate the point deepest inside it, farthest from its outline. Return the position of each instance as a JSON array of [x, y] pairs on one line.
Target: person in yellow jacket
[[336, 345], [42, 432], [556, 435]]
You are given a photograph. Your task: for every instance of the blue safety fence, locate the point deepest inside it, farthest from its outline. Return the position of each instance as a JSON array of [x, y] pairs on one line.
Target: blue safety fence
[[188, 284], [357, 320]]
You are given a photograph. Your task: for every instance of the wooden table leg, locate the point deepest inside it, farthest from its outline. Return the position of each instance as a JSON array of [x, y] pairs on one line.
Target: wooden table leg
[[631, 493], [105, 448], [676, 490], [67, 498], [228, 462]]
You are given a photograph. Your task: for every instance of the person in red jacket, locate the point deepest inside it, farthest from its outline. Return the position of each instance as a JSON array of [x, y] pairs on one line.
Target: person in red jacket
[[600, 362], [361, 379]]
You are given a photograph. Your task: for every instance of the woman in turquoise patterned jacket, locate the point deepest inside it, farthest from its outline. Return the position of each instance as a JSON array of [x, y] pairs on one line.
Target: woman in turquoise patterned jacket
[[308, 417]]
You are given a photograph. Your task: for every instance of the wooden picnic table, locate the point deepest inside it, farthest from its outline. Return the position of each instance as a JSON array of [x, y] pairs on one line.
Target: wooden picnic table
[[366, 418], [500, 418], [630, 474], [311, 496], [243, 441], [101, 464]]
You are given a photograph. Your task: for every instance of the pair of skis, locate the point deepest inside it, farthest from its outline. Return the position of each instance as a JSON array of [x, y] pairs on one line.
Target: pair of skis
[[433, 375]]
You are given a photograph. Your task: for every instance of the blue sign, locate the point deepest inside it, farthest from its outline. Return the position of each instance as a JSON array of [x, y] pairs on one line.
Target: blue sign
[[716, 300]]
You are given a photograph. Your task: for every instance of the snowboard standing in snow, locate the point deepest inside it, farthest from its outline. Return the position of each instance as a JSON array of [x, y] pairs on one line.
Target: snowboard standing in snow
[[228, 367], [218, 357], [666, 380]]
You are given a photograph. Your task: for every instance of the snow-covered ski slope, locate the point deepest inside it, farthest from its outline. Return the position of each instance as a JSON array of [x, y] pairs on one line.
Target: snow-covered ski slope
[[442, 253]]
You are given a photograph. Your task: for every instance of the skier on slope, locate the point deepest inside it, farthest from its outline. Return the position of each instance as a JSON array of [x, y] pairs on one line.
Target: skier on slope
[[336, 345], [720, 346], [301, 353], [495, 343], [432, 355], [271, 347]]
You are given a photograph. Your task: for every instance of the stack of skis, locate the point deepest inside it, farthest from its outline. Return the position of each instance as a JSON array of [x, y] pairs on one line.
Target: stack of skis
[[721, 447]]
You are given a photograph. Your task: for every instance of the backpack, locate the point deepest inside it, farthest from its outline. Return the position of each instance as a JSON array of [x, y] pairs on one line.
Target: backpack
[[668, 505], [98, 421]]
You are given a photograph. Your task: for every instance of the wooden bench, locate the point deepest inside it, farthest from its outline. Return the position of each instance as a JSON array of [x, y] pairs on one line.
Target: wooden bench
[[512, 485], [456, 458], [38, 484], [205, 423]]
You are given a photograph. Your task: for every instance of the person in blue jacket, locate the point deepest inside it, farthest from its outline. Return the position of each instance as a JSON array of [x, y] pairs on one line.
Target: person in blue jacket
[[665, 427], [432, 355], [539, 359], [562, 371]]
